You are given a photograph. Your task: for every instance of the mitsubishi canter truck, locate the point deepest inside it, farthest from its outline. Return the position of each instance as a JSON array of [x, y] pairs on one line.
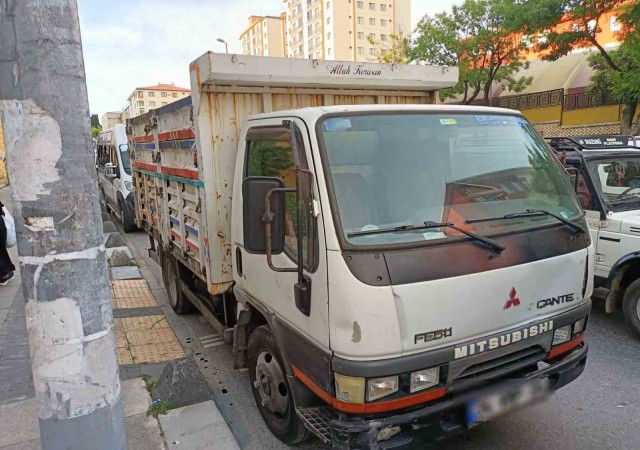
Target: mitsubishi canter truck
[[377, 261]]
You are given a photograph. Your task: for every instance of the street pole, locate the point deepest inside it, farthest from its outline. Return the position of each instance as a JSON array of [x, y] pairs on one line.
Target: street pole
[[45, 115]]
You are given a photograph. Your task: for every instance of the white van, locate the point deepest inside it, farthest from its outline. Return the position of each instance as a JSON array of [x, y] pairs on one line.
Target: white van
[[114, 175]]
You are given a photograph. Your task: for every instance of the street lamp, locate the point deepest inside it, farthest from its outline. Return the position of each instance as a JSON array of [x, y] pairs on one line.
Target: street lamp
[[226, 46]]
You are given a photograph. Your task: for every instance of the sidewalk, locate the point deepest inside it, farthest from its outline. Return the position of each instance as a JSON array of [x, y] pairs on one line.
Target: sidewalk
[[148, 350]]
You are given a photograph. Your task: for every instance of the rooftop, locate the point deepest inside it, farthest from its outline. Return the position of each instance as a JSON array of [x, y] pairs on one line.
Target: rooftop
[[164, 87]]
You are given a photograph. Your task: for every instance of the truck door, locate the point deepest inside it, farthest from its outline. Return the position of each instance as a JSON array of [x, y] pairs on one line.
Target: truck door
[[268, 153]]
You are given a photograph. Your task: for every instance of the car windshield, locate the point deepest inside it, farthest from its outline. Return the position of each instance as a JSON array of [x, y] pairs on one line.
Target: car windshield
[[618, 179], [401, 169], [126, 161]]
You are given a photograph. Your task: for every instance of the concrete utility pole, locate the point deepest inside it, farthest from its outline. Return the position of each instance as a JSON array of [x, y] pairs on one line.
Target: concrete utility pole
[[45, 114]]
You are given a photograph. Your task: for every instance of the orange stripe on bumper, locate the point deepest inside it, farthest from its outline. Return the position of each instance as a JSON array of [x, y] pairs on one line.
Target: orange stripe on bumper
[[369, 408], [564, 348]]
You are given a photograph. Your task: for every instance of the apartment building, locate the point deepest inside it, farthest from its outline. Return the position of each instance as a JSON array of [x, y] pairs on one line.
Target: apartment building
[[111, 119], [143, 99], [265, 36], [340, 29]]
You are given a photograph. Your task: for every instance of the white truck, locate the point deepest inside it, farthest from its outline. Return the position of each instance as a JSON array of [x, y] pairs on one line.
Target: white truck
[[390, 271], [605, 172]]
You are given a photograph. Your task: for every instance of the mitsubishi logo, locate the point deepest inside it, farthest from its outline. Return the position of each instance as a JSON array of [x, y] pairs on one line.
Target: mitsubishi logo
[[513, 300]]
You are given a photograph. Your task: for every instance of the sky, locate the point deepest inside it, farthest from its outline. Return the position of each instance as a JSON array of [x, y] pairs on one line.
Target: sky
[[134, 43]]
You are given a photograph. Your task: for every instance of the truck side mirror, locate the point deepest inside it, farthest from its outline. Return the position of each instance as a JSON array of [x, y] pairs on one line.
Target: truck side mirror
[[254, 193], [109, 170]]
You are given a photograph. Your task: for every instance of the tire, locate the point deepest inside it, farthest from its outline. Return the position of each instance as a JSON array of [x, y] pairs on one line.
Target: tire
[[128, 224], [631, 305], [170, 275], [271, 392]]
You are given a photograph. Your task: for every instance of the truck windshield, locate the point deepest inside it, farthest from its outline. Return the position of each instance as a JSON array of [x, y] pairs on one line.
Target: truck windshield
[[393, 170], [618, 179], [126, 161]]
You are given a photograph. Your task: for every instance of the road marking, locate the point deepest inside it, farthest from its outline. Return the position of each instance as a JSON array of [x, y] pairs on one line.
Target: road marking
[[211, 340], [214, 344]]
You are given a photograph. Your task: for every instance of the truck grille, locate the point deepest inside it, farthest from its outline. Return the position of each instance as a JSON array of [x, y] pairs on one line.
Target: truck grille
[[317, 421], [503, 365]]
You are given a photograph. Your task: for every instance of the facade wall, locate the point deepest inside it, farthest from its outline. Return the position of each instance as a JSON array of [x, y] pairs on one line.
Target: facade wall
[[546, 114], [549, 129], [265, 36], [601, 114], [144, 99]]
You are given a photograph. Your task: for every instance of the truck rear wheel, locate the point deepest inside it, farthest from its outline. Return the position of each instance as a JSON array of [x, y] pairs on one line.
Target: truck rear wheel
[[271, 389], [171, 277], [631, 305], [128, 222]]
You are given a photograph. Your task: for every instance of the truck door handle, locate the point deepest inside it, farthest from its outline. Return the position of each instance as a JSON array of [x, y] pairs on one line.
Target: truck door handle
[[239, 261]]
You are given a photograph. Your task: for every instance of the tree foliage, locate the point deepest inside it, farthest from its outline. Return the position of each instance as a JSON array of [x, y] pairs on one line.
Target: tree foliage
[[616, 71], [474, 37], [95, 122], [393, 51]]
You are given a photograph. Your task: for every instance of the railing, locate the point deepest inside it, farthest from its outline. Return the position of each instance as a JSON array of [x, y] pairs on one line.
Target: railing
[[530, 101], [589, 99]]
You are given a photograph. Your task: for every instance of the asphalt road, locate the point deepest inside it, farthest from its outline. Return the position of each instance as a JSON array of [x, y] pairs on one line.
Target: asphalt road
[[600, 410]]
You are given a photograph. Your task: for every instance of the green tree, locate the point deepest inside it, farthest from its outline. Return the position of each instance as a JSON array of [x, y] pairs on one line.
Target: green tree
[[475, 38], [616, 71], [95, 131], [393, 51], [95, 122]]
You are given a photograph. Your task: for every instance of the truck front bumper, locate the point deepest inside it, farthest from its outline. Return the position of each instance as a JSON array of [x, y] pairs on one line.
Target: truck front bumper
[[443, 419]]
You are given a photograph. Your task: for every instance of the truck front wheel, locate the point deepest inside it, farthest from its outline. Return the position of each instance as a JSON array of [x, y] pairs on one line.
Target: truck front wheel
[[631, 305], [271, 389]]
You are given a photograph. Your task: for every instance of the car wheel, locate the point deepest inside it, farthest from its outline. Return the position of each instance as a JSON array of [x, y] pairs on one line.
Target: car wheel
[[271, 389], [128, 224], [631, 305]]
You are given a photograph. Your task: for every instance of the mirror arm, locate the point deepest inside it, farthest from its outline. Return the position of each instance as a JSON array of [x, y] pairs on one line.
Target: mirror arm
[[267, 218]]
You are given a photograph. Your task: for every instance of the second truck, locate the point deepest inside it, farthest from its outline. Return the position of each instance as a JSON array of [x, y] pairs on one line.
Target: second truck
[[390, 271]]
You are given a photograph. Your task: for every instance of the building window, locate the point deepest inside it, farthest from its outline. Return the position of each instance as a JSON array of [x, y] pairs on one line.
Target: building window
[[328, 20], [372, 36], [372, 51], [140, 103], [383, 37], [360, 20], [140, 94], [152, 104], [360, 5], [152, 94], [360, 35], [372, 6], [163, 94], [318, 55], [329, 36], [174, 95], [164, 103], [383, 22], [372, 21], [328, 5], [329, 51], [614, 24], [526, 41], [360, 50], [383, 7], [142, 111]]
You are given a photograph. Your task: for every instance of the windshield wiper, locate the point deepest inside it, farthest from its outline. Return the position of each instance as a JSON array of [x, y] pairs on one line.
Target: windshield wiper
[[532, 213], [495, 246]]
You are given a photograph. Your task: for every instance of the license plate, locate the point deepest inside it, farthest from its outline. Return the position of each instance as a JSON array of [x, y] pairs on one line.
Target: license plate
[[496, 403]]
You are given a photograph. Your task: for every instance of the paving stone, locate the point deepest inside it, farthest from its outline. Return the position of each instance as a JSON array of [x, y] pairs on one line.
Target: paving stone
[[183, 384], [125, 273], [29, 445], [22, 419], [114, 240], [143, 433], [109, 227], [135, 396], [199, 426], [120, 258], [157, 352], [144, 322]]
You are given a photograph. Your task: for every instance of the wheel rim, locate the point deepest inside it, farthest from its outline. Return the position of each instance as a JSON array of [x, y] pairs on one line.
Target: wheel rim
[[270, 384], [638, 308]]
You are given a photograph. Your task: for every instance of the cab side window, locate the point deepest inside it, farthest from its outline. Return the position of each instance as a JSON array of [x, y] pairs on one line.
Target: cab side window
[[270, 154], [584, 194]]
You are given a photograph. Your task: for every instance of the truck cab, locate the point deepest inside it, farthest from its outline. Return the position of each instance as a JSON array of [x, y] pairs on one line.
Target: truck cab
[[605, 172], [389, 271]]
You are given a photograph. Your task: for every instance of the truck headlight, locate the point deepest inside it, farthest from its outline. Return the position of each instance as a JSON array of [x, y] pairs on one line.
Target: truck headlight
[[349, 389], [424, 379], [381, 387], [578, 327], [561, 335]]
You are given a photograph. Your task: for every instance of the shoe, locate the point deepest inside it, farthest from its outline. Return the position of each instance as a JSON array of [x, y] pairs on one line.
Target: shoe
[[5, 279]]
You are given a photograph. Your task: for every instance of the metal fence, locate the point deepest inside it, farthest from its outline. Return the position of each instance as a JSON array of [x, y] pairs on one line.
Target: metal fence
[[589, 99], [530, 101]]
